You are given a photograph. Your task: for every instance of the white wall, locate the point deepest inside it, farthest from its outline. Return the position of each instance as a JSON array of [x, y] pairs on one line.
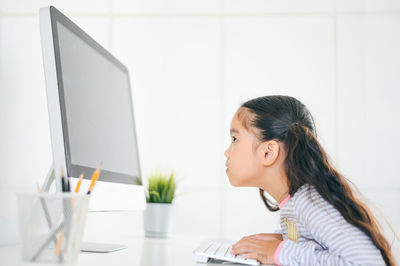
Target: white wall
[[192, 63]]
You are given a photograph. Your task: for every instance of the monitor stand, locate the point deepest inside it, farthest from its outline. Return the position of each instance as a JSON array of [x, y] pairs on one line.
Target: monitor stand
[[85, 246]]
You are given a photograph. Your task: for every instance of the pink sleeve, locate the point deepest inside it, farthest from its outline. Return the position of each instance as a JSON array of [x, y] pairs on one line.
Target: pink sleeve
[[276, 254]]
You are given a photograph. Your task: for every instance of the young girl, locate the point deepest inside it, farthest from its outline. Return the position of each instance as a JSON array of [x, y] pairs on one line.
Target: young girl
[[274, 147]]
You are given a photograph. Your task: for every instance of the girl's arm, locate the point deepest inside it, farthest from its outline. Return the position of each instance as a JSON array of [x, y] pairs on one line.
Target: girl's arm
[[308, 253], [266, 236], [336, 241]]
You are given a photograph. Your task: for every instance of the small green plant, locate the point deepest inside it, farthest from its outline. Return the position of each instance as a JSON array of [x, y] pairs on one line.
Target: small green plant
[[161, 187]]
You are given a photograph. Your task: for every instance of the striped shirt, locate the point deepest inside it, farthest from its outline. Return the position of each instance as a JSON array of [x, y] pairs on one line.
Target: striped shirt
[[324, 237]]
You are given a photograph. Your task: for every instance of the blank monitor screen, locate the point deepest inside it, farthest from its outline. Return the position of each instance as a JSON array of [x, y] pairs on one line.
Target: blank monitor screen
[[96, 108]]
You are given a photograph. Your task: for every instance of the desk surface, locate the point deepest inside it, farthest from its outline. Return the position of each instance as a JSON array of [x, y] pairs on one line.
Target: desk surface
[[141, 251]]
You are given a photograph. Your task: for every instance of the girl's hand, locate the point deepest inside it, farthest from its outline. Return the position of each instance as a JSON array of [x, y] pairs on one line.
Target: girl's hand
[[260, 247], [264, 236]]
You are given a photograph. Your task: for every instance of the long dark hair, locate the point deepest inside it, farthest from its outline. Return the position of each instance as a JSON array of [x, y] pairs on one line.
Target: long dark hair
[[286, 119]]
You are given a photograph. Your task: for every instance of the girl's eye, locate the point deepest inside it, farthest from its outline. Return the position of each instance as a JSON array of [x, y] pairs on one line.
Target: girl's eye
[[234, 139]]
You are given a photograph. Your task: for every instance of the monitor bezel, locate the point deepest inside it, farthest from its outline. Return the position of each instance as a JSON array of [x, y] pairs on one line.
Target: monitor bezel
[[54, 16]]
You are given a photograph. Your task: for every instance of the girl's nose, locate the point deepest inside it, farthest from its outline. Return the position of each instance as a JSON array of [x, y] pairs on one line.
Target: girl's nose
[[226, 153]]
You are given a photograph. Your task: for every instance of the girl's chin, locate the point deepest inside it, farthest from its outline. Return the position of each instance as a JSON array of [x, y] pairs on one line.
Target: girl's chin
[[232, 180], [235, 184]]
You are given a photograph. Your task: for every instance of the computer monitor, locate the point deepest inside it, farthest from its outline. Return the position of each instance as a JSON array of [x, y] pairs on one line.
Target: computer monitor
[[90, 114]]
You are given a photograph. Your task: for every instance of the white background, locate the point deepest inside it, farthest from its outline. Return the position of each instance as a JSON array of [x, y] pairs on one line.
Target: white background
[[192, 63]]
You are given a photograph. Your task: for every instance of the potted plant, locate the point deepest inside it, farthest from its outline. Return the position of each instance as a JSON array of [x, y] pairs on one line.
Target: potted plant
[[159, 208]]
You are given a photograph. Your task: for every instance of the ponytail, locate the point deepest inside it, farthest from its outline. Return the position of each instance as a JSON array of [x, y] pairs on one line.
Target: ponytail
[[286, 119], [307, 162]]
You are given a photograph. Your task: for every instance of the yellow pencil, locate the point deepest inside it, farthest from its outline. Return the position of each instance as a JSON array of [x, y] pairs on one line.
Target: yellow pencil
[[95, 176], [78, 185]]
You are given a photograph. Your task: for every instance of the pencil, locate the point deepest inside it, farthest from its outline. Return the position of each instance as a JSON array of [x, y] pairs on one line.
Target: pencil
[[58, 245], [46, 212], [78, 185], [63, 184], [95, 176], [68, 185]]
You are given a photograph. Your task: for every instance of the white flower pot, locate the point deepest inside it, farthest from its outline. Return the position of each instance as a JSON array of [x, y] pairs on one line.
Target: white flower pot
[[157, 220]]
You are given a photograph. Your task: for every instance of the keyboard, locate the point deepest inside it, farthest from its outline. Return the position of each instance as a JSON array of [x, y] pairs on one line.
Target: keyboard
[[220, 250]]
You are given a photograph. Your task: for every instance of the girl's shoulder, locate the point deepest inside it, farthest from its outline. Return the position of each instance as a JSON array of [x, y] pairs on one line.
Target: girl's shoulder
[[306, 191], [307, 198]]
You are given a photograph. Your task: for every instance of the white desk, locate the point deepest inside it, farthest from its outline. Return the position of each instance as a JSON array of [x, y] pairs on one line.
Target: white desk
[[141, 251]]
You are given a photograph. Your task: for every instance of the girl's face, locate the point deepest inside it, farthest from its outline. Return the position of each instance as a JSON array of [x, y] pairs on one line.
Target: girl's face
[[243, 157]]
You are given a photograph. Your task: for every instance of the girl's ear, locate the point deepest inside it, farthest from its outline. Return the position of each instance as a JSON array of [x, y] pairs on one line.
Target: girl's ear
[[270, 150]]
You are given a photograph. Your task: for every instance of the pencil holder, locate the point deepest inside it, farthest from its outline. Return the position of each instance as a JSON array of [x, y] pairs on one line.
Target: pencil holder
[[51, 227]]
